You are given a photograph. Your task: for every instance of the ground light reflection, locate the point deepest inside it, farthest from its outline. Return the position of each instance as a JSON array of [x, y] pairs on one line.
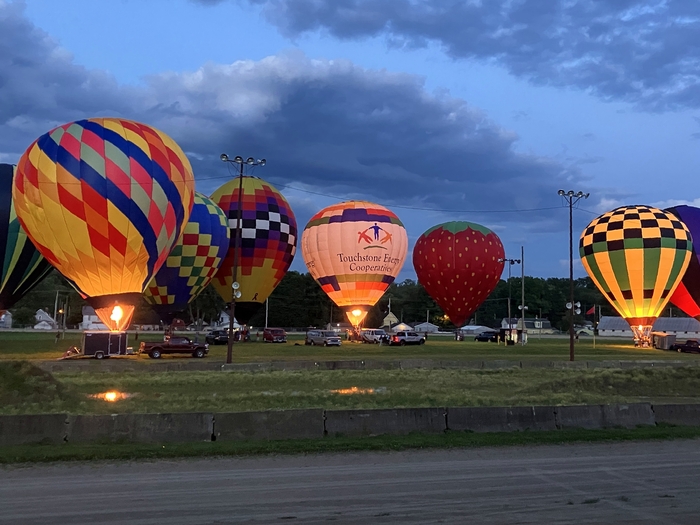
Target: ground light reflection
[[354, 390], [111, 396]]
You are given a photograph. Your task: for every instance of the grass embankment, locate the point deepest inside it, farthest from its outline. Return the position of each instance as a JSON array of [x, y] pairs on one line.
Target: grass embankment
[[38, 346], [132, 451], [231, 392]]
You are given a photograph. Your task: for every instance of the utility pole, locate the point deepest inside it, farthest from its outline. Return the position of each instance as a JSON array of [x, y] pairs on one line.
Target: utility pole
[[571, 198], [510, 262]]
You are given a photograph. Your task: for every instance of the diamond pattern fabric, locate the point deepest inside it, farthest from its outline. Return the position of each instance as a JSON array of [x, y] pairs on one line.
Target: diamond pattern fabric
[[104, 200]]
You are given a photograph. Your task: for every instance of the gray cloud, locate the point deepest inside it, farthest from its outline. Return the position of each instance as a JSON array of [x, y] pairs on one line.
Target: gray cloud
[[328, 126], [642, 51]]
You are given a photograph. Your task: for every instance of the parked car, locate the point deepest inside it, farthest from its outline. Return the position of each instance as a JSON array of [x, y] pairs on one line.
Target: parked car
[[173, 345], [583, 331], [691, 346], [217, 337], [487, 335], [274, 335], [407, 338], [322, 337], [373, 335]]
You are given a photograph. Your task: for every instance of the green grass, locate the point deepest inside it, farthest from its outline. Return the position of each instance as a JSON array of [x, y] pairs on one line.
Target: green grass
[[233, 392], [128, 451], [38, 346]]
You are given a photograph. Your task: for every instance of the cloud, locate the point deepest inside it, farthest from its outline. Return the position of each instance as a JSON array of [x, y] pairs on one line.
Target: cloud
[[641, 51], [327, 126]]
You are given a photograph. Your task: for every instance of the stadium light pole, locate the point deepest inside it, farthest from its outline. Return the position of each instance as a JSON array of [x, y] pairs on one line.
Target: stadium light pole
[[571, 198], [510, 262], [235, 292]]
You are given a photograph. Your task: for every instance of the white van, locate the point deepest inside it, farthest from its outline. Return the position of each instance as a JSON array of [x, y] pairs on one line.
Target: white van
[[373, 335]]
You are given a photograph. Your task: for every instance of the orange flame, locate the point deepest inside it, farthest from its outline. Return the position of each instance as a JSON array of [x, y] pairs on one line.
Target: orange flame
[[117, 318], [353, 390], [111, 396]]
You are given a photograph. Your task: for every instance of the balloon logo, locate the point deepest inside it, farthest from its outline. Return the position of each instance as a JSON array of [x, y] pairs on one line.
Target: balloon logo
[[459, 264], [192, 264], [22, 265], [268, 243], [354, 250], [687, 295], [104, 200], [636, 256]]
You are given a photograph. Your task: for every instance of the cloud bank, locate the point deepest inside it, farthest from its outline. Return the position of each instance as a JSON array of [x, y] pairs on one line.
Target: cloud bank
[[641, 51]]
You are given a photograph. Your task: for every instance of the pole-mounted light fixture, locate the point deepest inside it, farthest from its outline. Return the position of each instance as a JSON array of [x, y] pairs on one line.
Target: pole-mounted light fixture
[[235, 292]]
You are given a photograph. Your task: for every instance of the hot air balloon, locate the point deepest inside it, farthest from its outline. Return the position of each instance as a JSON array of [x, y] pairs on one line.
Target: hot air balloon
[[22, 265], [459, 264], [268, 243], [687, 295], [354, 250], [191, 265], [636, 256], [105, 200]]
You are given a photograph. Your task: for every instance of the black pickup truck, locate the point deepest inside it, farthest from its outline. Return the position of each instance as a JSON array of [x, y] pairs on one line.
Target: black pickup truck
[[173, 345]]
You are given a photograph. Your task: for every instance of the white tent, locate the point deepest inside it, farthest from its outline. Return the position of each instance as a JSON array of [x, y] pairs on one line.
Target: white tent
[[426, 327]]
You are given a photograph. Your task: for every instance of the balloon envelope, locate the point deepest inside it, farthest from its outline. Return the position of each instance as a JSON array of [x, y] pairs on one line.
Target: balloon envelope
[[636, 255], [268, 243], [459, 264], [104, 200], [193, 262], [23, 267], [354, 250], [687, 295]]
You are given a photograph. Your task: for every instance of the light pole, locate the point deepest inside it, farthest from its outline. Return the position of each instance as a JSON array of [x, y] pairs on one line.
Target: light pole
[[235, 292], [510, 262], [571, 198]]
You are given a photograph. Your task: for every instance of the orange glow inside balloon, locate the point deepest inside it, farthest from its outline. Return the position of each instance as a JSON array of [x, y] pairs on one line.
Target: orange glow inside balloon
[[116, 317], [356, 316]]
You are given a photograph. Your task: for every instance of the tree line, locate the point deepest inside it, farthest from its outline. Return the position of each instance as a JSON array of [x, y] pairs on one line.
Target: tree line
[[299, 302]]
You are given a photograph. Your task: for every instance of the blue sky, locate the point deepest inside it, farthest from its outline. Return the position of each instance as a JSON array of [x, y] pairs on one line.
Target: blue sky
[[441, 110]]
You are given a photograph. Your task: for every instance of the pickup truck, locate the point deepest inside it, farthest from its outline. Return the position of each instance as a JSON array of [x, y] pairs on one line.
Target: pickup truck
[[173, 345], [691, 346]]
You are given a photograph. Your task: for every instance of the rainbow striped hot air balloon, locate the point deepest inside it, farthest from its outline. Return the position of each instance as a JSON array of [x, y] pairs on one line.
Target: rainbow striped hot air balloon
[[194, 261], [354, 250], [22, 265], [636, 256], [268, 243], [105, 200]]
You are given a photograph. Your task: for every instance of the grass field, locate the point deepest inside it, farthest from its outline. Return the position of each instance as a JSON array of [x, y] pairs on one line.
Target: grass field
[[26, 389], [135, 451], [38, 346]]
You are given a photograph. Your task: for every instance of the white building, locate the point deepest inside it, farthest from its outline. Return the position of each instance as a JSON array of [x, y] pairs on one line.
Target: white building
[[224, 320], [426, 327], [681, 327], [6, 320], [44, 321], [90, 320], [533, 326]]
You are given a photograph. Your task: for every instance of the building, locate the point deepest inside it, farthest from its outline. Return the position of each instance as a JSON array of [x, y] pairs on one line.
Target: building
[[90, 320], [6, 320], [426, 327], [473, 329], [533, 325], [400, 327], [44, 321], [681, 327], [389, 321]]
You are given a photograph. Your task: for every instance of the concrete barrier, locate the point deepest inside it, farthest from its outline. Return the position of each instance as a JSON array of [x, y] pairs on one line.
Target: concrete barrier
[[570, 364], [29, 429], [684, 415], [277, 424], [411, 364], [605, 416], [141, 428], [501, 419], [536, 364], [384, 421], [292, 365]]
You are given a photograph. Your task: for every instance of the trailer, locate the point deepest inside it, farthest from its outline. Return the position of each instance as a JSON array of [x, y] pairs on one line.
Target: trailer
[[101, 344]]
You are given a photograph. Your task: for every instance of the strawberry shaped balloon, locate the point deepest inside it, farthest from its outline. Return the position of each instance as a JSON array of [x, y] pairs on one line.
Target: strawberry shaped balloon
[[459, 264]]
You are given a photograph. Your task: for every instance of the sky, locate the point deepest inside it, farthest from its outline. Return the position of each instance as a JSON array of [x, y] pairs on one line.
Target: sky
[[440, 110]]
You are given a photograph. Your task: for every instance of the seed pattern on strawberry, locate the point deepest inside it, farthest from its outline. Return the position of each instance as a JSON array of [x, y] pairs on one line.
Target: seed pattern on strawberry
[[459, 265]]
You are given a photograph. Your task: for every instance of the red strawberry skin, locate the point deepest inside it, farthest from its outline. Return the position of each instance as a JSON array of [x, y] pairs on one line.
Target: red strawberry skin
[[459, 265]]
